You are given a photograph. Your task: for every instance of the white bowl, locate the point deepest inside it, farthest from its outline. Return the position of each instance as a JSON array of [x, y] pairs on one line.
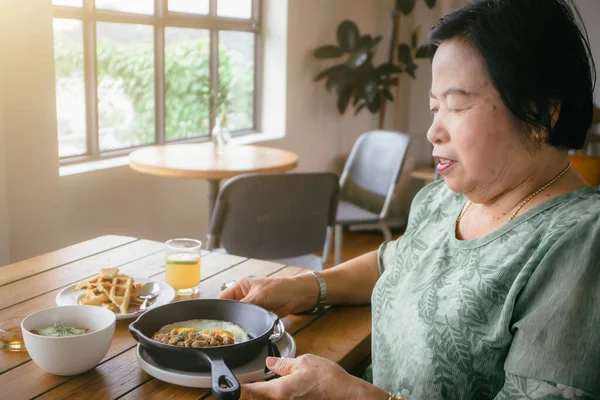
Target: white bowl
[[70, 355]]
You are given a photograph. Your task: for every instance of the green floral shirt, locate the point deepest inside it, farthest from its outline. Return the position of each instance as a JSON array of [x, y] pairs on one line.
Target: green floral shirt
[[511, 315]]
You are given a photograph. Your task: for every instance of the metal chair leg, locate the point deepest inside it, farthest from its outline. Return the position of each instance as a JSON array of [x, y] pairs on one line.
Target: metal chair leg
[[327, 245], [210, 242], [338, 244], [387, 234]]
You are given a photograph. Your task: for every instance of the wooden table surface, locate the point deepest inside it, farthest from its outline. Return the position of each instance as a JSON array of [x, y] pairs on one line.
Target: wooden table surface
[[199, 160], [341, 334], [425, 174]]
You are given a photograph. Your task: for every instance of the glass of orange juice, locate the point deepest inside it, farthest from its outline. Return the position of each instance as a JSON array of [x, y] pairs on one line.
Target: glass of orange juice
[[11, 338], [182, 263]]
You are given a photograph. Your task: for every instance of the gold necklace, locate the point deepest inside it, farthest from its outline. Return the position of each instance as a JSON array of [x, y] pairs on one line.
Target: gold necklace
[[522, 204]]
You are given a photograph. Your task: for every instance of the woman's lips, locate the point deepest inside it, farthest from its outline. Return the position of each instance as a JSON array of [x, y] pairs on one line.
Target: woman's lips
[[444, 164]]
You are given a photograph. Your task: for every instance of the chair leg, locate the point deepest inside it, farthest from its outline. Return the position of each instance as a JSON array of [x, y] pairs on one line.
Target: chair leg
[[387, 234], [327, 245], [338, 244], [210, 242]]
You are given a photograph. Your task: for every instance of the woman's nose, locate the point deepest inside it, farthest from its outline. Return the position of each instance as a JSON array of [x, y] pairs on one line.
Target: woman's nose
[[436, 132]]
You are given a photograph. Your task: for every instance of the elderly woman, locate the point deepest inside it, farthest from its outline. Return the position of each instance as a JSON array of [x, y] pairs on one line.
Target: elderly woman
[[493, 292]]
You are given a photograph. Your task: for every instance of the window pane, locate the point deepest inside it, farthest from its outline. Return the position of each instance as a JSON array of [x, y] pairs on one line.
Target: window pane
[[236, 78], [187, 82], [70, 3], [125, 85], [131, 6], [189, 6], [235, 8], [70, 88]]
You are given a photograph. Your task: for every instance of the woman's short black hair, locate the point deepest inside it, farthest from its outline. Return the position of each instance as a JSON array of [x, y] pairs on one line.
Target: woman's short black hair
[[538, 55]]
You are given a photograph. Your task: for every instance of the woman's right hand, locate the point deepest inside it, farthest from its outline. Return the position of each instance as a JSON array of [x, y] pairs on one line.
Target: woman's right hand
[[282, 296]]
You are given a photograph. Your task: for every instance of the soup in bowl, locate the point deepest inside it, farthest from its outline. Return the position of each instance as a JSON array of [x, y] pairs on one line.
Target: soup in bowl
[[68, 340]]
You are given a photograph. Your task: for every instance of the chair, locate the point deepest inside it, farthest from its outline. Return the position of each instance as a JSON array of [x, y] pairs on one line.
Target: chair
[[283, 218], [374, 164]]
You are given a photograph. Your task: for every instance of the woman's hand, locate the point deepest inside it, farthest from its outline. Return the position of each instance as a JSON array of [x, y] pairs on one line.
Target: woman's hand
[[282, 296], [310, 377]]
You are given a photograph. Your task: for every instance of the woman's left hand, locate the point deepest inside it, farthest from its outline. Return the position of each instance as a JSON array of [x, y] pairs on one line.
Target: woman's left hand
[[309, 377]]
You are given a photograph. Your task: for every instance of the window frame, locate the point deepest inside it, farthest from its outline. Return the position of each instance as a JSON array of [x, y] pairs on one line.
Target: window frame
[[161, 19]]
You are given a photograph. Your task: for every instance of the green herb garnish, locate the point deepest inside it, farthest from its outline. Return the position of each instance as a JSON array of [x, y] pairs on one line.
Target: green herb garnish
[[60, 328]]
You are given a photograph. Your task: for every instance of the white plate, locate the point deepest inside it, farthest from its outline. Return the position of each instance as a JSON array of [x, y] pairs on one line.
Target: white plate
[[68, 296], [251, 372]]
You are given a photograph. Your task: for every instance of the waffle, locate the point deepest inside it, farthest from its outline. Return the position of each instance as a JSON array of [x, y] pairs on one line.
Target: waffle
[[111, 290]]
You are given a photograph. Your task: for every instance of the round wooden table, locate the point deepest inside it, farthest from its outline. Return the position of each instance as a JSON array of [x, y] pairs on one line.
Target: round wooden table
[[200, 160]]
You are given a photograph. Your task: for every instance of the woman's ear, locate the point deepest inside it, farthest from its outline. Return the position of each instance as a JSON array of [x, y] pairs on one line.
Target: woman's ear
[[554, 113]]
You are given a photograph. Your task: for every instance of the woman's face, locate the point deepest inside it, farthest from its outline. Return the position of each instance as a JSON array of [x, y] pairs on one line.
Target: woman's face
[[475, 137]]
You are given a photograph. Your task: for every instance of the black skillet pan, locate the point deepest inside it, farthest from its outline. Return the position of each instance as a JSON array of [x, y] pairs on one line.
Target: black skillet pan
[[258, 322]]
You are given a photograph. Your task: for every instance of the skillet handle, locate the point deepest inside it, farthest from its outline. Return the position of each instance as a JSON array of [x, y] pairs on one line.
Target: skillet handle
[[221, 374]]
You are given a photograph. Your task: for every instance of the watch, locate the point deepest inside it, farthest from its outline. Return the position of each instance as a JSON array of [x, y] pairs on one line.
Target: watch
[[322, 292]]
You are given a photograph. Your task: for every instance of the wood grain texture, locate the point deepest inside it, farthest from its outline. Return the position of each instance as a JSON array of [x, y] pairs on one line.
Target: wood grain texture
[[107, 381], [337, 335], [47, 281], [341, 334], [199, 160], [155, 389], [150, 266], [35, 265]]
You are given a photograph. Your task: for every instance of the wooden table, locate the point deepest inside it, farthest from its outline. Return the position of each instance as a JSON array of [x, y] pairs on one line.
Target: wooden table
[[342, 334], [200, 160], [427, 175]]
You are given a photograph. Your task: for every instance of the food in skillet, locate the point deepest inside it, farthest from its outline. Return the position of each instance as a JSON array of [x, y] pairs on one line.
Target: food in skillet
[[201, 333]]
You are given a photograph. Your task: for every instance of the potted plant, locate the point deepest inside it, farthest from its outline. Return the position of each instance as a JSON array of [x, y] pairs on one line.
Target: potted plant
[[356, 79]]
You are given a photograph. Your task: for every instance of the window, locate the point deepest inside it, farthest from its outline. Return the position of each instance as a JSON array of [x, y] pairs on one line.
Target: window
[[132, 73]]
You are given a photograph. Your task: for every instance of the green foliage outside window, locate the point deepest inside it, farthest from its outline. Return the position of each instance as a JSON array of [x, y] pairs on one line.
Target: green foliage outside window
[[188, 89]]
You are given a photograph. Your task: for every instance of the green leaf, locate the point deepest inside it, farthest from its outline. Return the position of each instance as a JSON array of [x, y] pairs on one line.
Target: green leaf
[[344, 99], [359, 94], [405, 6], [410, 69], [370, 91], [415, 37], [387, 69], [375, 105], [388, 95], [404, 54], [358, 58], [348, 36], [424, 51], [330, 71], [336, 82], [360, 107], [366, 41], [430, 3], [328, 51], [376, 41]]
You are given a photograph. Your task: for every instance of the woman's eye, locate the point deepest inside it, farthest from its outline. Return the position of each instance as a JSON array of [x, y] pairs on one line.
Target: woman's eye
[[434, 111]]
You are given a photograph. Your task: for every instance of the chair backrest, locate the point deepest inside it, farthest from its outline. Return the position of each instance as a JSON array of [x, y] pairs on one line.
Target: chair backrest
[[376, 161], [268, 216]]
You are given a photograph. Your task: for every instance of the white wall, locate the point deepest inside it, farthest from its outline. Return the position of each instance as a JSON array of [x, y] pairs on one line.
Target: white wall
[[590, 13], [46, 212], [4, 223]]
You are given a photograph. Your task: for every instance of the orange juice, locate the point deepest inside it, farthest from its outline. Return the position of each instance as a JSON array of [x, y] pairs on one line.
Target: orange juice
[[12, 339], [183, 272]]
